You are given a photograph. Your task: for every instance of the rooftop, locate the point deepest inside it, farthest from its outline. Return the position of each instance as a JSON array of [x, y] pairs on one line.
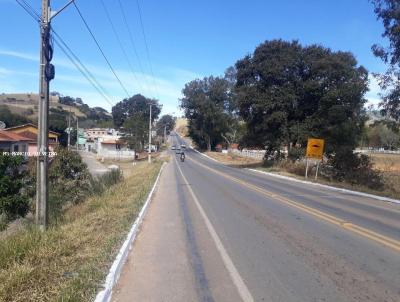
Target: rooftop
[[6, 136]]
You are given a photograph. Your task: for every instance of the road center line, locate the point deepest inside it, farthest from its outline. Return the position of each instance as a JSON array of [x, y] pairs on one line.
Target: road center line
[[228, 263], [387, 241]]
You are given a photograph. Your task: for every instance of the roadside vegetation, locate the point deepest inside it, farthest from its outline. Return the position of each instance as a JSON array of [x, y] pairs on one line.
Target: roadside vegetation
[[69, 262], [14, 199], [283, 93]]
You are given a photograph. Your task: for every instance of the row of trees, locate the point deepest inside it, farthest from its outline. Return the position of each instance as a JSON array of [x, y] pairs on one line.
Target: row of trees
[[284, 93], [278, 97], [380, 135]]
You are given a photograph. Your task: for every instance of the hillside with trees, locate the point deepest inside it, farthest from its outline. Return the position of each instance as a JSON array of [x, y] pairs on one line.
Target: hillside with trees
[[17, 109]]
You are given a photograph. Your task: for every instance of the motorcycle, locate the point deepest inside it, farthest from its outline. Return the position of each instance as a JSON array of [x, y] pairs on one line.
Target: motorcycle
[[182, 157]]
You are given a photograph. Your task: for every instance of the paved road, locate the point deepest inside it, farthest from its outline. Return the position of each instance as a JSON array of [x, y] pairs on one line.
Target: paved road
[[215, 233], [95, 167]]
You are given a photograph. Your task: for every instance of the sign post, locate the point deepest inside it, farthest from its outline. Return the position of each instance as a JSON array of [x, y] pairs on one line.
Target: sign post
[[315, 149]]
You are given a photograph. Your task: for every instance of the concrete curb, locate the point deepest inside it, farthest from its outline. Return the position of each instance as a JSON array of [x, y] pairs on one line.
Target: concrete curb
[[116, 268], [386, 199]]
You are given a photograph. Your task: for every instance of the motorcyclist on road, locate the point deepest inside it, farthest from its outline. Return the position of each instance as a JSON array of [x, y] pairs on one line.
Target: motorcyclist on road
[[182, 156]]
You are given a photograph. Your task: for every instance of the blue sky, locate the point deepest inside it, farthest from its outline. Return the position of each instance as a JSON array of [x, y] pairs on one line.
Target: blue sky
[[186, 40]]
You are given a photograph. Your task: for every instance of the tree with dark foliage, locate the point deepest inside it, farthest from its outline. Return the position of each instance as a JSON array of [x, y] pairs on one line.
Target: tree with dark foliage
[[206, 103], [389, 12], [166, 122], [14, 202], [286, 93], [133, 116]]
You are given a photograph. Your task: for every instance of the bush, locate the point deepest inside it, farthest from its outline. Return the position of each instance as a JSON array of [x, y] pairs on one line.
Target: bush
[[355, 169], [14, 203], [296, 153], [105, 181], [70, 181]]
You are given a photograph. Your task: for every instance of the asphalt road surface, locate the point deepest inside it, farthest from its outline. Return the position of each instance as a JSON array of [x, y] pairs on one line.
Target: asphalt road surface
[[95, 167], [216, 233]]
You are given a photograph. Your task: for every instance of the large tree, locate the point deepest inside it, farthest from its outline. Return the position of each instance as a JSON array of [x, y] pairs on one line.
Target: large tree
[[133, 115], [389, 12], [167, 123], [286, 93], [206, 104]]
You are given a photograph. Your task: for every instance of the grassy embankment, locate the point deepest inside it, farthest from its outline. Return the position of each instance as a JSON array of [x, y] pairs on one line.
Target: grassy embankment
[[387, 164], [69, 262]]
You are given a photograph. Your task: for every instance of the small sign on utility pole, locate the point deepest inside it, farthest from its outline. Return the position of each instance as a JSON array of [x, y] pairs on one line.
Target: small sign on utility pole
[[315, 150]]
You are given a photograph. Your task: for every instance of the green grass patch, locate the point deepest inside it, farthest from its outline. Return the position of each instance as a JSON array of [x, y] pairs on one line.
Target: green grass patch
[[70, 261]]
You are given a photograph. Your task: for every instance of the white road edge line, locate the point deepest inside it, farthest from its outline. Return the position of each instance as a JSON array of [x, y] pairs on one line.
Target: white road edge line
[[116, 268], [233, 272], [205, 155], [382, 198]]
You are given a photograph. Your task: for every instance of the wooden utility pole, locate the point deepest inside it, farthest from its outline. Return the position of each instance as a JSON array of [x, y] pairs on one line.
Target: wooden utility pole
[[46, 75], [149, 156]]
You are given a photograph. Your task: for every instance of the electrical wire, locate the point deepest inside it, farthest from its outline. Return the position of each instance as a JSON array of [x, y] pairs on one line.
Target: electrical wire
[[71, 55], [120, 44], [82, 72], [29, 9], [132, 41], [100, 49], [146, 45], [81, 67]]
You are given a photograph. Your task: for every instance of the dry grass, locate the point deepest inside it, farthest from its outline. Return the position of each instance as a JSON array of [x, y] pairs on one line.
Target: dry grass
[[386, 162], [234, 159], [181, 127], [389, 166], [70, 261], [24, 103]]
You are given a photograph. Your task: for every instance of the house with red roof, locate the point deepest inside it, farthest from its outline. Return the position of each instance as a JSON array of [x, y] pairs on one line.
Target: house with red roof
[[30, 132], [13, 142]]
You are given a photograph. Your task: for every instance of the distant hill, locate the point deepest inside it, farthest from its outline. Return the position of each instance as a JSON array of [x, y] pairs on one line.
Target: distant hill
[[26, 104], [21, 108]]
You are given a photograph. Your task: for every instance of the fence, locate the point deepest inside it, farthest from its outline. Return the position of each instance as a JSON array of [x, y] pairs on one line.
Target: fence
[[125, 154], [259, 154], [377, 151]]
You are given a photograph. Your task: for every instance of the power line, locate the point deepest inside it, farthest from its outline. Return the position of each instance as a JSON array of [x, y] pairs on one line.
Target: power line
[[71, 55], [81, 67], [83, 72], [104, 91], [146, 45], [132, 40], [29, 9], [100, 49], [120, 43]]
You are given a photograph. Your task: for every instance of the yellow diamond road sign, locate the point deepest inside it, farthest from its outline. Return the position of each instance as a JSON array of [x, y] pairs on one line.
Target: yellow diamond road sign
[[315, 148]]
